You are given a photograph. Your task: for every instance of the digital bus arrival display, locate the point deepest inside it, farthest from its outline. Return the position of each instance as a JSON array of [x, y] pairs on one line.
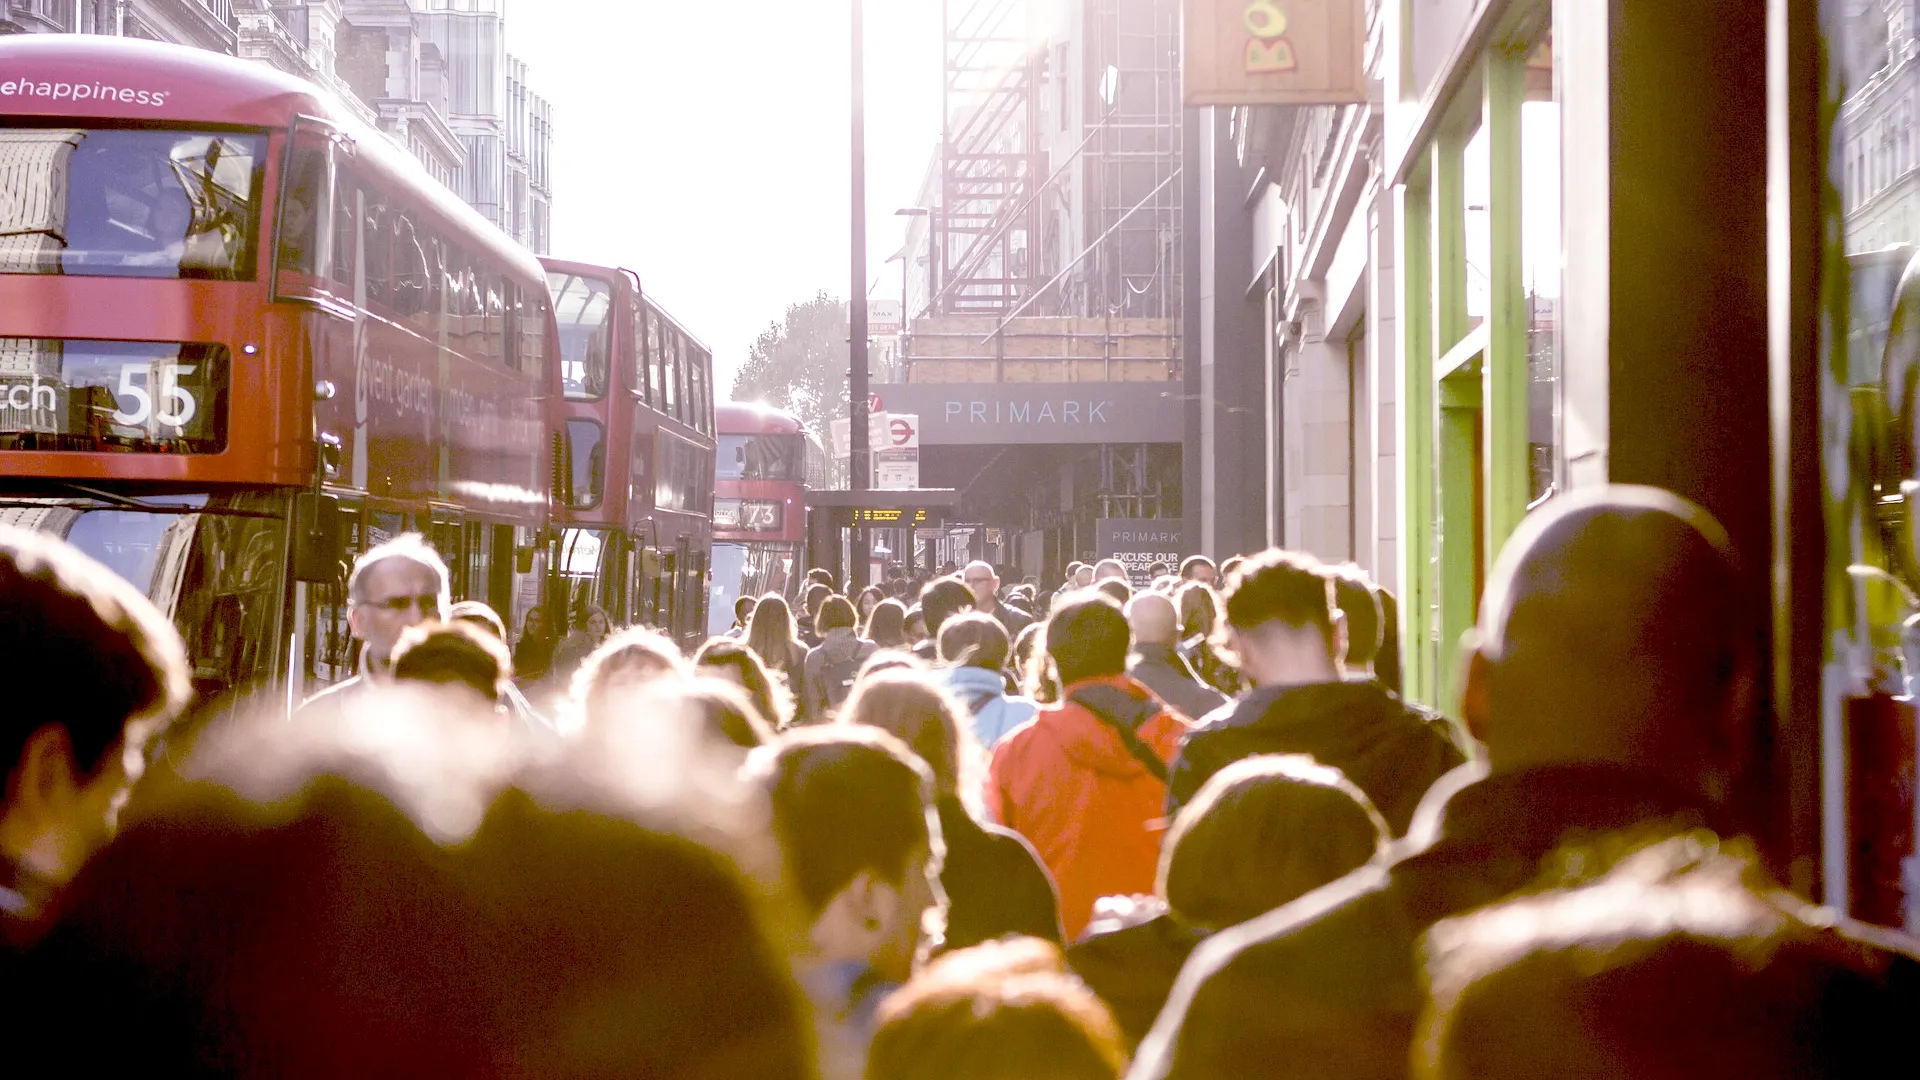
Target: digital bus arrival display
[[129, 396]]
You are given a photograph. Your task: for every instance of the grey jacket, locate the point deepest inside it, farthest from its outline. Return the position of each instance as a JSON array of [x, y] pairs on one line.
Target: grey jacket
[[1167, 675]]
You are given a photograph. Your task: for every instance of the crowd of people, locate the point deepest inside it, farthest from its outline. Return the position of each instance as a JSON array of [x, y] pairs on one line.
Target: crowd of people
[[981, 832]]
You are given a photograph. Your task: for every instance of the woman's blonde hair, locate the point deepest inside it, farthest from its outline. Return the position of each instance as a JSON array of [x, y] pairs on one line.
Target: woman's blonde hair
[[912, 707]]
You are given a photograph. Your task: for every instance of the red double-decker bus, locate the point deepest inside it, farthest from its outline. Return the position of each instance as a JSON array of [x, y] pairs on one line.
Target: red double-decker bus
[[243, 337], [766, 461], [636, 499]]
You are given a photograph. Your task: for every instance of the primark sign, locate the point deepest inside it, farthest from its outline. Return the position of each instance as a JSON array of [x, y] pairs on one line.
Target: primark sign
[[991, 414]]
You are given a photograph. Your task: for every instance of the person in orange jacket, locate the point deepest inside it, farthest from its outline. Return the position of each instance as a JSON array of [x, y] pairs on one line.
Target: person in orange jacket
[[1085, 779]]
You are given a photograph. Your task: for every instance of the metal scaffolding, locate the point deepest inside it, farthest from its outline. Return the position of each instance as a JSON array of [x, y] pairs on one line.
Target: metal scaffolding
[[1133, 200], [990, 166]]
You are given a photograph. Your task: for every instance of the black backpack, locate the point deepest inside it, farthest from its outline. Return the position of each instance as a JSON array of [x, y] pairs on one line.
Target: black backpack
[[839, 678]]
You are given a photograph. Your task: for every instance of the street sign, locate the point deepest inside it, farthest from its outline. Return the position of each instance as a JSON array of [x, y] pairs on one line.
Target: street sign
[[903, 431], [878, 434], [897, 470]]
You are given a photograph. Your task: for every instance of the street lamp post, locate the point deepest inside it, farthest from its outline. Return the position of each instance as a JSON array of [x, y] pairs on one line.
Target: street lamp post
[[859, 453]]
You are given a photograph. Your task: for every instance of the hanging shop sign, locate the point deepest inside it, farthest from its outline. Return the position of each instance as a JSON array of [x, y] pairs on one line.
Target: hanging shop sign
[[1274, 52]]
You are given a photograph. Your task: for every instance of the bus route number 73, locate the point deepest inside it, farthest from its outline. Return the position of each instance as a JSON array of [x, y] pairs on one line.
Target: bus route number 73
[[163, 400]]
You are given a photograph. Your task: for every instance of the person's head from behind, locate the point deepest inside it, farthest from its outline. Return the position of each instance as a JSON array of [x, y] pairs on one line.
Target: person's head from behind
[[817, 594], [479, 615], [1263, 832], [1616, 629], [911, 707], [1109, 570], [887, 625], [1153, 619], [819, 575], [975, 639], [1360, 612], [853, 811], [771, 630], [1116, 588], [393, 587], [120, 669], [454, 655], [1281, 622], [724, 711], [889, 660], [730, 661], [1231, 567], [1079, 575], [1199, 610], [1681, 963], [836, 613], [626, 662], [941, 601], [1088, 638], [1006, 1010], [1198, 568], [398, 875], [983, 582], [1165, 584], [743, 610]]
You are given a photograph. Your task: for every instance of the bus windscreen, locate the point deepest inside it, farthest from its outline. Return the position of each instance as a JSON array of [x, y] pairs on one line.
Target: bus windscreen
[[112, 202]]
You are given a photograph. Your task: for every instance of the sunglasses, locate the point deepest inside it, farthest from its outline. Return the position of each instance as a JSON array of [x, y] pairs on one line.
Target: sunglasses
[[426, 602]]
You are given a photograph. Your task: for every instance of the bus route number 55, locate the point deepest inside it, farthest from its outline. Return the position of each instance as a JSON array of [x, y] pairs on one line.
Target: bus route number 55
[[163, 400]]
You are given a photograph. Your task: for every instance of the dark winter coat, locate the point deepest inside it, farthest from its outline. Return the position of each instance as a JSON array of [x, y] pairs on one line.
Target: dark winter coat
[[994, 881], [1167, 675], [1329, 986], [1392, 750], [1131, 961]]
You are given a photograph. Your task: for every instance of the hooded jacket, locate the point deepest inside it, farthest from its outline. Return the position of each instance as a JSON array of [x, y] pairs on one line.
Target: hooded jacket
[[1393, 751], [984, 693], [1068, 782], [839, 654]]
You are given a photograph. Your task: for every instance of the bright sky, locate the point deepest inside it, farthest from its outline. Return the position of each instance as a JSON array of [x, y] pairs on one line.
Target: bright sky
[[704, 144]]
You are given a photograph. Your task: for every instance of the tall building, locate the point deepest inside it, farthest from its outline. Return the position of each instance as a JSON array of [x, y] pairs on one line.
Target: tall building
[[433, 74]]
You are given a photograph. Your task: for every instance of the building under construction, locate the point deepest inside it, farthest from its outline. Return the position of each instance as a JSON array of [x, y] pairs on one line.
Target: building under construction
[[1044, 267]]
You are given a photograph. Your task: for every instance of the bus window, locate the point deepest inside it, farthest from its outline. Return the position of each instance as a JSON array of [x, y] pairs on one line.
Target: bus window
[[587, 447], [304, 202], [409, 270], [495, 321], [670, 368], [132, 202], [654, 383], [533, 335], [584, 308], [374, 252], [345, 226]]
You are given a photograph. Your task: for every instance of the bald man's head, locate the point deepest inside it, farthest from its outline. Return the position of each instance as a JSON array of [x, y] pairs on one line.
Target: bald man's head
[[1153, 619], [1614, 629]]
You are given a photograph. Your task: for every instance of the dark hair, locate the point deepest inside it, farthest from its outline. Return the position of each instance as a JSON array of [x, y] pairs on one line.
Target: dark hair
[[68, 622], [1360, 610], [728, 713], [941, 601], [996, 1011], [835, 613], [887, 625], [1386, 664], [743, 607], [1232, 564], [845, 799], [454, 654], [1199, 610], [479, 614], [1088, 638], [1287, 587], [1195, 562], [816, 595], [820, 575], [1120, 591], [770, 696], [1681, 961], [1262, 832], [974, 639], [1075, 567], [1157, 570], [874, 591], [306, 884]]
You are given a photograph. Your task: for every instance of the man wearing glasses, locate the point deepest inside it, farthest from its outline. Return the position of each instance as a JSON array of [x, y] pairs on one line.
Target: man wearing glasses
[[393, 588], [984, 583]]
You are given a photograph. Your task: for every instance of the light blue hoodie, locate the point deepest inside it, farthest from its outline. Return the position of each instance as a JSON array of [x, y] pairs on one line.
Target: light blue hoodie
[[984, 693]]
